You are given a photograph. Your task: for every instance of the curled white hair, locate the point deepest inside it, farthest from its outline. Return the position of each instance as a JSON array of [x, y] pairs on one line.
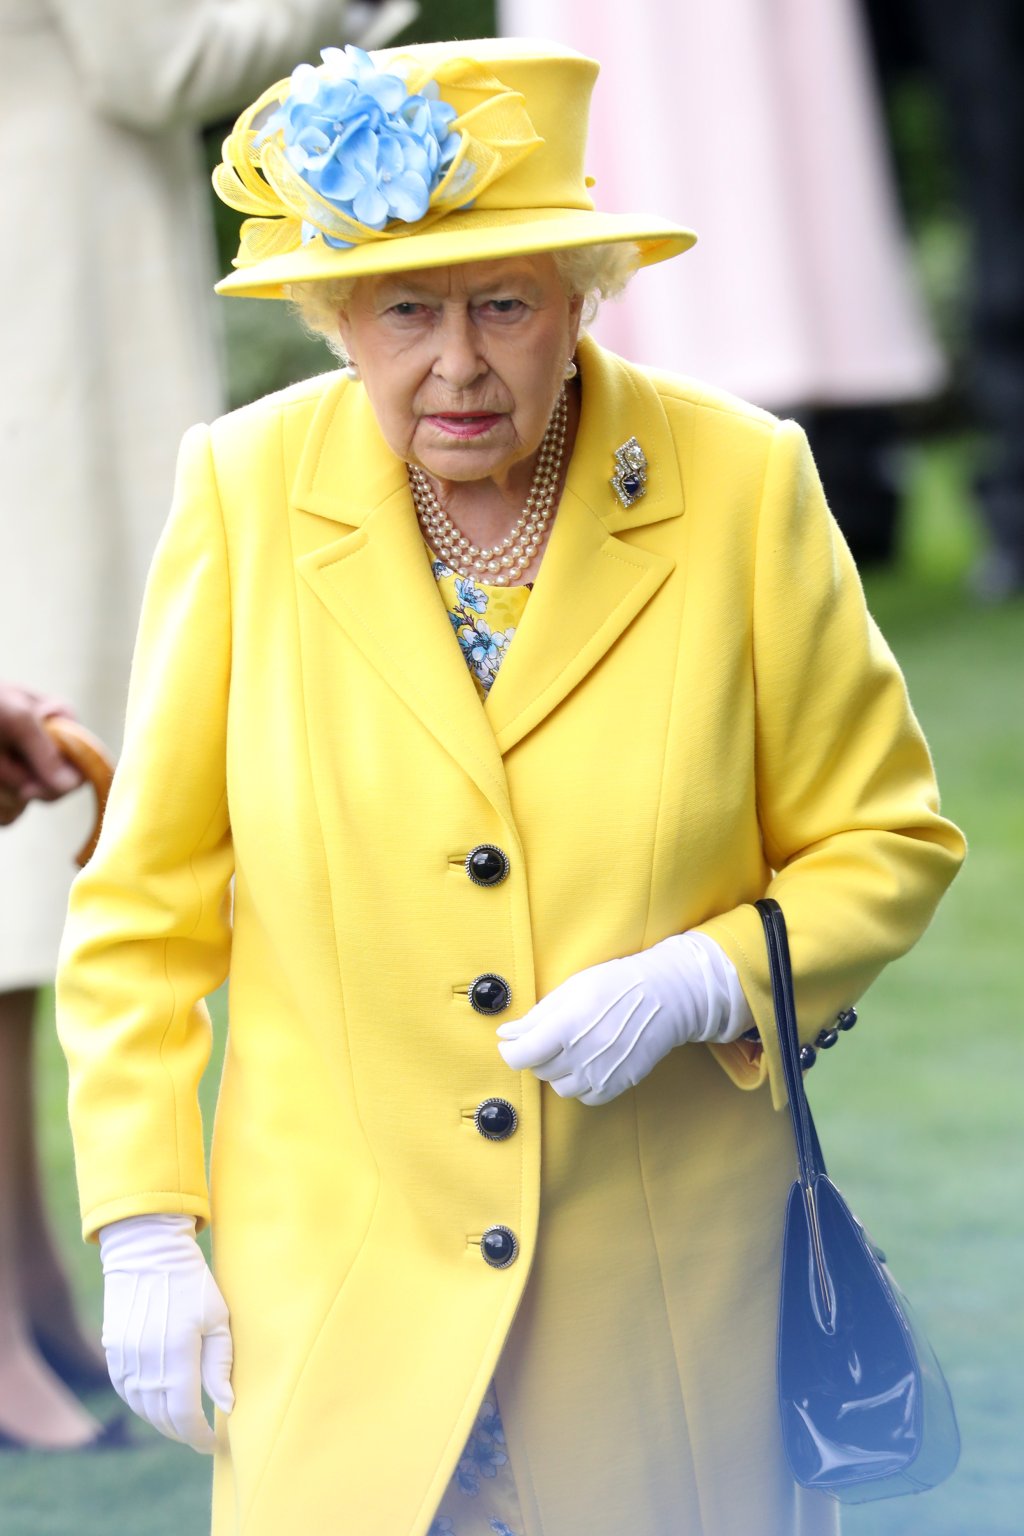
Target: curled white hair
[[591, 272]]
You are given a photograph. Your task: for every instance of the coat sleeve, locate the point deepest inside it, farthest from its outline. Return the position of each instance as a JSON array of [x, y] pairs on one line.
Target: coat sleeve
[[847, 800], [148, 930], [170, 62]]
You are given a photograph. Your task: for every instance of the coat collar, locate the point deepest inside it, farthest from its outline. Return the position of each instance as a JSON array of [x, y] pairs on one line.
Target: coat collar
[[368, 567], [346, 469], [620, 402]]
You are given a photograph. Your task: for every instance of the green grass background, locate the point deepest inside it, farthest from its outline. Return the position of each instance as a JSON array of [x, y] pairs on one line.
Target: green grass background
[[919, 1107]]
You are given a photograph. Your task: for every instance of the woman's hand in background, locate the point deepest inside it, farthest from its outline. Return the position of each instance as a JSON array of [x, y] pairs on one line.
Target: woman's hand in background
[[605, 1028], [31, 768], [165, 1326]]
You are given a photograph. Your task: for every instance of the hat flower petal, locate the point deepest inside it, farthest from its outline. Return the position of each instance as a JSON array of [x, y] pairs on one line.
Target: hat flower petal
[[407, 197], [347, 152], [361, 142], [370, 206]]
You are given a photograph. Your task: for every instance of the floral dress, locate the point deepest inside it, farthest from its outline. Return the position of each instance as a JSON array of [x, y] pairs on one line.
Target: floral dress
[[481, 1498], [484, 619]]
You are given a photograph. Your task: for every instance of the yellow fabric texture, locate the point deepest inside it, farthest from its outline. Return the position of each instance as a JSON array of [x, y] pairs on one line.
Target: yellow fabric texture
[[696, 696]]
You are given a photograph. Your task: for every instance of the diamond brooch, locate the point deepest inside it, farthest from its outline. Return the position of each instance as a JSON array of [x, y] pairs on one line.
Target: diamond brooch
[[629, 481]]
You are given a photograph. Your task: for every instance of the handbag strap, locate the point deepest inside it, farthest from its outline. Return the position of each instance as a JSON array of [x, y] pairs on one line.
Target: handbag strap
[[780, 969]]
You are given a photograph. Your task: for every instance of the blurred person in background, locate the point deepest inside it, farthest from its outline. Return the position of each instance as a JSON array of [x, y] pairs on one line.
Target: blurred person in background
[[761, 123], [31, 766], [31, 769], [109, 353], [481, 688], [976, 57]]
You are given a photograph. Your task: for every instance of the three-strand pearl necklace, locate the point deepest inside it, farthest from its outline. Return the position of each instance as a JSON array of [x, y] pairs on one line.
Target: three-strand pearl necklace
[[501, 564]]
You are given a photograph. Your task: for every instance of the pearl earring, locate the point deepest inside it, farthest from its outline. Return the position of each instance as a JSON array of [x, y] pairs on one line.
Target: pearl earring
[[570, 370], [351, 369]]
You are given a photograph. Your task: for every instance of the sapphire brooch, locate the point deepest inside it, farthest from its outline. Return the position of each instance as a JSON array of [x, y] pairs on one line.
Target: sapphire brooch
[[629, 481]]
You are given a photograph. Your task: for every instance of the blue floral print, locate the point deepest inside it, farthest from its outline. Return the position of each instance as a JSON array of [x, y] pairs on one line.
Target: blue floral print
[[486, 648], [488, 1422], [444, 1526], [467, 1509], [470, 595], [483, 646], [483, 1454], [466, 1479]]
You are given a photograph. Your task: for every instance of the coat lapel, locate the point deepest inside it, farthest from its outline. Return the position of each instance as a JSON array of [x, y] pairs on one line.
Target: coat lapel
[[591, 587], [592, 583], [376, 583], [361, 552]]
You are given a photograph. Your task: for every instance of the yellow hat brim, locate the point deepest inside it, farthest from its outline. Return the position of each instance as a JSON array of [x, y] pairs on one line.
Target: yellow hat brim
[[476, 235]]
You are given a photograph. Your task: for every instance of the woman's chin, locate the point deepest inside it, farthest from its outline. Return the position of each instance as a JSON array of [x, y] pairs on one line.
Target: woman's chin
[[468, 458]]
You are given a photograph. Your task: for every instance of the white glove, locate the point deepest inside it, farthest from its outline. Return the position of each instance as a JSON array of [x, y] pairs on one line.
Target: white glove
[[605, 1028], [165, 1326]]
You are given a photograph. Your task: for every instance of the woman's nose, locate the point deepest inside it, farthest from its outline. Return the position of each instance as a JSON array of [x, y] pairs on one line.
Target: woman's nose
[[459, 362]]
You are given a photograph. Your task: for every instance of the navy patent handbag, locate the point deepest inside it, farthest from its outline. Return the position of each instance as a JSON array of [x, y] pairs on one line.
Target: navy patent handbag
[[866, 1412]]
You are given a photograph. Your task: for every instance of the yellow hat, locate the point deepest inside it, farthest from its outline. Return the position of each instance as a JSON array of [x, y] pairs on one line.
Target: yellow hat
[[425, 156]]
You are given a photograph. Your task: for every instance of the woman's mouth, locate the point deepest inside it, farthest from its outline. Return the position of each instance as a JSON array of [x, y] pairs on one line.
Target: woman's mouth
[[464, 423]]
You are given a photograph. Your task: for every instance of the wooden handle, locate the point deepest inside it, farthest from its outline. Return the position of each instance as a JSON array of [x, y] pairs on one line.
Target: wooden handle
[[88, 754]]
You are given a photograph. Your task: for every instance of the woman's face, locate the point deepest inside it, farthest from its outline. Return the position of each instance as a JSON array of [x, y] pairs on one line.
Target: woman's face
[[462, 365]]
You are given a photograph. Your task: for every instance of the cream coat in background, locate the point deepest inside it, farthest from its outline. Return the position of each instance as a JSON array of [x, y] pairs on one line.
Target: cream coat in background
[[695, 696], [758, 124], [109, 353]]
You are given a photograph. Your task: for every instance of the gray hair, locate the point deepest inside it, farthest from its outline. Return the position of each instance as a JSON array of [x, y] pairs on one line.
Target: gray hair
[[591, 272]]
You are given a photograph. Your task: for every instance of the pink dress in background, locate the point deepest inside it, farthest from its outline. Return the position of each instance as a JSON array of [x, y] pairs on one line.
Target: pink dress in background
[[757, 123]]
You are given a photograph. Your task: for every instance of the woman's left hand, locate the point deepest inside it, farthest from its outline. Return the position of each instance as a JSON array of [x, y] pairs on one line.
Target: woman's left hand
[[605, 1028]]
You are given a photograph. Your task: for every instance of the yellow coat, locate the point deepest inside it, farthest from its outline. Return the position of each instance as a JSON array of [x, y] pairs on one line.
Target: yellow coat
[[696, 697]]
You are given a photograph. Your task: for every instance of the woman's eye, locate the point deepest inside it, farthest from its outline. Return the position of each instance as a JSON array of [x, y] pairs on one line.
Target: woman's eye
[[406, 309], [504, 306]]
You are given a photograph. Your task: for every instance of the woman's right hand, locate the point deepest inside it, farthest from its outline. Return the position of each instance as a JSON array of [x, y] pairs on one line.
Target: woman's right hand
[[165, 1326]]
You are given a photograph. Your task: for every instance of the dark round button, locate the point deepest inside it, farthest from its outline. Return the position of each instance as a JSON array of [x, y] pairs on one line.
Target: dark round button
[[486, 865], [496, 1119], [826, 1039], [499, 1246], [847, 1019], [490, 993], [808, 1056]]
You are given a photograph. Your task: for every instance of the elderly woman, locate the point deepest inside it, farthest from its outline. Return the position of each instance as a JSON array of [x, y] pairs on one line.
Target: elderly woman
[[501, 677]]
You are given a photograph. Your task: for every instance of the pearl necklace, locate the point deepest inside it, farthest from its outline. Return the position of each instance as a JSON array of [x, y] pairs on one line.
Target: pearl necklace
[[501, 564]]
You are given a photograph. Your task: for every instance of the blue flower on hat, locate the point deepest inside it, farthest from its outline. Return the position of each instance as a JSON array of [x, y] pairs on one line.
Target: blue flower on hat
[[359, 140]]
